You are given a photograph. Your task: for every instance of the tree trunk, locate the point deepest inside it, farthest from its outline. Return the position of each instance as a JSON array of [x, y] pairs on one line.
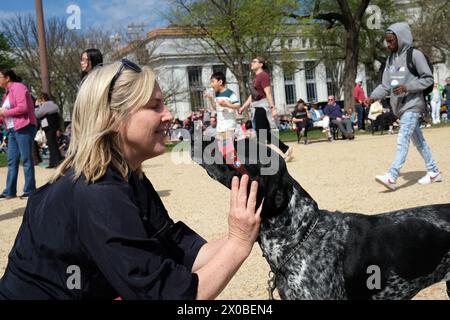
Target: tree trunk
[[351, 66], [243, 90]]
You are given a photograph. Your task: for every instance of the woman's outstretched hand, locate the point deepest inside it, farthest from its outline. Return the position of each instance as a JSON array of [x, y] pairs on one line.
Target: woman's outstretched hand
[[244, 220]]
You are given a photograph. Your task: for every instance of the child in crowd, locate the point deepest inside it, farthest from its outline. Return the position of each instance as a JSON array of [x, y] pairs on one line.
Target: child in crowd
[[352, 116], [225, 102]]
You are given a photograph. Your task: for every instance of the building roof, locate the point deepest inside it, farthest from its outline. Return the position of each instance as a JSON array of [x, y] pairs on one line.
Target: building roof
[[173, 32], [152, 35]]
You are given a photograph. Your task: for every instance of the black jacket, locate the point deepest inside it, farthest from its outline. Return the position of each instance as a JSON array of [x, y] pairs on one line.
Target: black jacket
[[117, 233]]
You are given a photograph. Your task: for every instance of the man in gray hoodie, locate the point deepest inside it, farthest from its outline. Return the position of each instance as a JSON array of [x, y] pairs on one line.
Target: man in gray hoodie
[[407, 101]]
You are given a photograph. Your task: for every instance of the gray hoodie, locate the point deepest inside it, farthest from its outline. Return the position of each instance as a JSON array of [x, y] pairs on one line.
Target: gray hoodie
[[397, 70]]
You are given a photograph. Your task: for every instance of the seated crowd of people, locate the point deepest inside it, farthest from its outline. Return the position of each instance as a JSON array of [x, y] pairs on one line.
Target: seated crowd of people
[[306, 116], [206, 121]]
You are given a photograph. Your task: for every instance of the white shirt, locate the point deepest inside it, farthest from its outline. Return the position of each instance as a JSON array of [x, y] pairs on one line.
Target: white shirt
[[226, 117], [8, 120]]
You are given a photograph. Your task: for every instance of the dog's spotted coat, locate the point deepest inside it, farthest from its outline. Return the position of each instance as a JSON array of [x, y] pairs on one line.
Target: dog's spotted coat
[[411, 247]]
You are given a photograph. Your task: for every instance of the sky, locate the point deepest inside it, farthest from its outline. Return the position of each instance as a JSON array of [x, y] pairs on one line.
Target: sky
[[110, 15]]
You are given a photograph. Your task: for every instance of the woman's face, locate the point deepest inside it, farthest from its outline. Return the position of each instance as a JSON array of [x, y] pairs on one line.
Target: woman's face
[[85, 63], [144, 133], [4, 81]]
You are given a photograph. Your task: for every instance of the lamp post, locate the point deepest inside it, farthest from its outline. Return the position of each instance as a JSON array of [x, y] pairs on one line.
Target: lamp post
[[42, 47]]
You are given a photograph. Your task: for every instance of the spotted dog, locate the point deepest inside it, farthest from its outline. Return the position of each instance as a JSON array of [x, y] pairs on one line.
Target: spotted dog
[[318, 254]]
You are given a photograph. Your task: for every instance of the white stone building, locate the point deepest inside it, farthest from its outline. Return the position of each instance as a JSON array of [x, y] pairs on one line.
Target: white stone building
[[184, 68]]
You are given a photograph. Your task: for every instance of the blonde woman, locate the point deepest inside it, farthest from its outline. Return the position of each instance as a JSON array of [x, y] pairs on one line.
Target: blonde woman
[[100, 230]]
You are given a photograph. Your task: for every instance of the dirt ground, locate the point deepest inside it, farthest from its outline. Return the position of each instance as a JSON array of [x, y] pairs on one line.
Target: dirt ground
[[338, 175]]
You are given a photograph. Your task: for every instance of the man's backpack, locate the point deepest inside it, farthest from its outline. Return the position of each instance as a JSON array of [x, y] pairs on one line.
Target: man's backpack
[[426, 116], [413, 70]]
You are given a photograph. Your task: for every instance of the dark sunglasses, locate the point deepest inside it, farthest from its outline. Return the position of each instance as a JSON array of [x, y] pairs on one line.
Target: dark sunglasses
[[125, 64]]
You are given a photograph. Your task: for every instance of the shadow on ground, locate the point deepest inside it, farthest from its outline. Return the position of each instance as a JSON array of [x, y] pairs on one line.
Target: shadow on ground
[[411, 179], [11, 215], [164, 193]]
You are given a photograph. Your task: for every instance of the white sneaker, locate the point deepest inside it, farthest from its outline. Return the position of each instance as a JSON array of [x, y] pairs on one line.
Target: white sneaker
[[431, 177], [387, 181]]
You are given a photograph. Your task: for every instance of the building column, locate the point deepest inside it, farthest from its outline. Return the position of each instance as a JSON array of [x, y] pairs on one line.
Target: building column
[[176, 79], [300, 83], [278, 89], [321, 82]]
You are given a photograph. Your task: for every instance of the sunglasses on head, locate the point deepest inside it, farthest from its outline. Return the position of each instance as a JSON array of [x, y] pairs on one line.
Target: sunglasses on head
[[126, 64]]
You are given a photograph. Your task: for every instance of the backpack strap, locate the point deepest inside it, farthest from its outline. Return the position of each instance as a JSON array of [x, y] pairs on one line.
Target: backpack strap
[[410, 63]]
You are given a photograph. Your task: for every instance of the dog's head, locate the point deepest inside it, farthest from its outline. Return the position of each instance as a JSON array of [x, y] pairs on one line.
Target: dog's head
[[260, 163]]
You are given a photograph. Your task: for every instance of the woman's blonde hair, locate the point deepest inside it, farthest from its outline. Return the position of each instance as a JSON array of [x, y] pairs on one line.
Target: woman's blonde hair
[[95, 124]]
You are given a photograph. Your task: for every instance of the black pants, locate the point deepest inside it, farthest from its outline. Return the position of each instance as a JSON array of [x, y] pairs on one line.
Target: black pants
[[55, 155], [302, 126], [35, 151], [262, 123]]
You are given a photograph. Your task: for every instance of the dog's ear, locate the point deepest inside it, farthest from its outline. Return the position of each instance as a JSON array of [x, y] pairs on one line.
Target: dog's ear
[[276, 196]]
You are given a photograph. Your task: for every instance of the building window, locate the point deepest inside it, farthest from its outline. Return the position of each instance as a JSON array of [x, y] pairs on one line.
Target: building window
[[310, 75], [330, 87], [196, 88], [219, 68], [289, 88]]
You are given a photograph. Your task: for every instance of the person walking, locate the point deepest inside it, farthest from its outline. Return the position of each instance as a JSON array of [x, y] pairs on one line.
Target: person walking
[[17, 112], [48, 114], [407, 101], [263, 108], [436, 102], [225, 102]]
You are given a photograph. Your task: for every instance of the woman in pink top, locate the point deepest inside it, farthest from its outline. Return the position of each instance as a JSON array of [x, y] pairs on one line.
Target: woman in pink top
[[17, 112]]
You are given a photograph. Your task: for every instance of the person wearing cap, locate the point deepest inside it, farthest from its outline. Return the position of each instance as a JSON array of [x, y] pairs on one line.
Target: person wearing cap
[[359, 95], [407, 102]]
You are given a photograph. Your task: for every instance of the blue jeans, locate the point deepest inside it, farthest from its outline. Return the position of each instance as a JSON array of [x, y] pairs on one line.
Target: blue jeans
[[360, 110], [410, 130], [20, 144]]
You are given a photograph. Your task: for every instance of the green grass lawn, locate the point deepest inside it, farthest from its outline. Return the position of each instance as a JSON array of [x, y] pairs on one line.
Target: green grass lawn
[[291, 136]]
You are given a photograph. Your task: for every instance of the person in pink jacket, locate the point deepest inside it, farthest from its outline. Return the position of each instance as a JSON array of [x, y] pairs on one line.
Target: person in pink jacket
[[17, 112]]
